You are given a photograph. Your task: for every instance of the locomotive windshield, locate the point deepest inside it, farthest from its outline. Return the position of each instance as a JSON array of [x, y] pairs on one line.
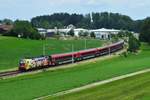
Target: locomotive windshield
[[21, 63]]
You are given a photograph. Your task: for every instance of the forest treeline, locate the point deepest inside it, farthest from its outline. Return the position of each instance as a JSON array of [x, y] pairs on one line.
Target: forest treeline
[[99, 20], [28, 29]]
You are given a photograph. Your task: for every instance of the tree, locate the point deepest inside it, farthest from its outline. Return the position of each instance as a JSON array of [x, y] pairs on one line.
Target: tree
[[92, 35], [83, 33], [45, 24], [122, 34], [145, 31], [134, 44], [71, 32], [80, 33], [25, 29], [7, 22], [100, 20], [114, 37]]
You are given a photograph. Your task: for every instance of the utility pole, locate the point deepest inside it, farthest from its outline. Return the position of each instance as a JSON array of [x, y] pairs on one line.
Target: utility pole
[[85, 43], [109, 51], [72, 53], [43, 50]]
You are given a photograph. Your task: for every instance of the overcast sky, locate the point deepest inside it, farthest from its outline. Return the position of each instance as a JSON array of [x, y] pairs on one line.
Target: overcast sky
[[26, 9]]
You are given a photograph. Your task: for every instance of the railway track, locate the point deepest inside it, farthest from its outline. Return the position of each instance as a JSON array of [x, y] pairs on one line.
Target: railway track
[[9, 73], [16, 72]]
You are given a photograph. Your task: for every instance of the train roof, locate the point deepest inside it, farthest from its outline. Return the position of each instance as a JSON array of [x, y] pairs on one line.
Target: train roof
[[64, 54], [111, 44], [88, 50], [39, 57], [82, 51], [72, 53]]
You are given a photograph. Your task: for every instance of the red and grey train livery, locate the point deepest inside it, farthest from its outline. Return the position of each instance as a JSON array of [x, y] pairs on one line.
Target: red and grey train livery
[[57, 59]]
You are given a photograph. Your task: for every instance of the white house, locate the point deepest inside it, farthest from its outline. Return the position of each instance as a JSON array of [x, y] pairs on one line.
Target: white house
[[104, 33]]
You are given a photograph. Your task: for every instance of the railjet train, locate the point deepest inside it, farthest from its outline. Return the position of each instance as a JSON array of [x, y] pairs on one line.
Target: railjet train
[[57, 59]]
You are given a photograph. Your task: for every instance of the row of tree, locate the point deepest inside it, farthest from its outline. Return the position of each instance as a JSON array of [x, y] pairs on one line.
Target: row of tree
[[145, 31], [88, 21], [6, 21], [22, 29], [27, 29], [95, 21], [58, 20]]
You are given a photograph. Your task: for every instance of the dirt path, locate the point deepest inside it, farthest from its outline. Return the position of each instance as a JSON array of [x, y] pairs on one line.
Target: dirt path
[[95, 84]]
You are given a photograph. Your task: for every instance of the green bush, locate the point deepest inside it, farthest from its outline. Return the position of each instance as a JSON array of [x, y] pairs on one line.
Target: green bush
[[25, 30], [134, 44]]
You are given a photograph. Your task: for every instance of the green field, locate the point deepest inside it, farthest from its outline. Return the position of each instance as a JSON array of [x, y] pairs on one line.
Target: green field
[[31, 86], [13, 49], [133, 88]]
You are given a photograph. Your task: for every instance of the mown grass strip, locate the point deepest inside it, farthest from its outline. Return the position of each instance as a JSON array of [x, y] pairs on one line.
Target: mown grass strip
[[133, 88], [59, 94]]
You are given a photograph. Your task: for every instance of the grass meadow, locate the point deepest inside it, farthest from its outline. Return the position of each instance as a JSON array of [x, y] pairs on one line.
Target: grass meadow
[[13, 49], [32, 86]]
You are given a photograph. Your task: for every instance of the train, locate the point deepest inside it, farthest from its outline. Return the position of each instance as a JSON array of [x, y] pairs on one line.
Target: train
[[64, 58]]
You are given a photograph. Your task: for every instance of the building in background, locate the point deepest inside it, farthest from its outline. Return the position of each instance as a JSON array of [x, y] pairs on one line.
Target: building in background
[[104, 33]]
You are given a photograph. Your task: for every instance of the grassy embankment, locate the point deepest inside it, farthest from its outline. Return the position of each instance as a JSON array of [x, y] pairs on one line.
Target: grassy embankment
[[13, 49], [50, 82]]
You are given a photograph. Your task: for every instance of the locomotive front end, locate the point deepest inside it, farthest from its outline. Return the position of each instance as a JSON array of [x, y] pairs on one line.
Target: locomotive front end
[[24, 64], [33, 63]]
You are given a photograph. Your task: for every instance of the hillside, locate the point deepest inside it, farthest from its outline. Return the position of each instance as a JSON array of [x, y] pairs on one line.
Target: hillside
[[133, 88], [13, 49], [50, 82], [100, 20]]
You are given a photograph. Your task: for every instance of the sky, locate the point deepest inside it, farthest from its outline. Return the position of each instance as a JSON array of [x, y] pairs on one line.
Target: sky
[[26, 9]]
